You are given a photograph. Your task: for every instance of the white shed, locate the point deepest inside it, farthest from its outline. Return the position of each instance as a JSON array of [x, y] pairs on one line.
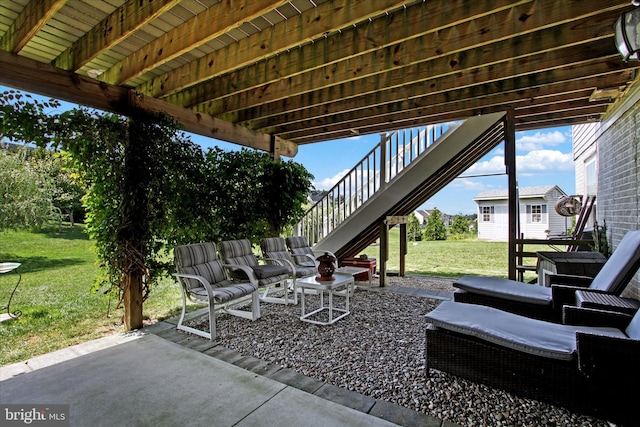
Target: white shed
[[538, 217]]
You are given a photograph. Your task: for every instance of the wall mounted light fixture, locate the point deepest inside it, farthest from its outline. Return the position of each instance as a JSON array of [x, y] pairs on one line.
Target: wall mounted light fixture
[[628, 33]]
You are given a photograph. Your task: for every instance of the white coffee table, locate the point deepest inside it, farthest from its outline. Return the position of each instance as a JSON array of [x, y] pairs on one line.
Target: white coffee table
[[341, 281]]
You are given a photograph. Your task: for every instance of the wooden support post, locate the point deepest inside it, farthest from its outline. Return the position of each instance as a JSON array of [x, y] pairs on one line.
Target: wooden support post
[[275, 149], [390, 221], [384, 252], [510, 163], [403, 247]]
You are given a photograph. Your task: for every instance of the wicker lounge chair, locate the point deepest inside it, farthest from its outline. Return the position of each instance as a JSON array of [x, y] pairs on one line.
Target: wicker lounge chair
[[268, 277], [203, 279], [274, 250], [587, 369], [546, 303]]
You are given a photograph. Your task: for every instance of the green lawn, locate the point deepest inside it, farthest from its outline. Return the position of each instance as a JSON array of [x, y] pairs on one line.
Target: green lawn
[[451, 258], [446, 258], [60, 309]]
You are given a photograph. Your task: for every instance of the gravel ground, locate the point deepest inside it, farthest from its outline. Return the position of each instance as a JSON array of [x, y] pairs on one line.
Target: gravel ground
[[378, 351]]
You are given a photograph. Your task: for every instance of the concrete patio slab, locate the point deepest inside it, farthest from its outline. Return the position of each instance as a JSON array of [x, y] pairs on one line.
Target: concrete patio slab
[[147, 380]]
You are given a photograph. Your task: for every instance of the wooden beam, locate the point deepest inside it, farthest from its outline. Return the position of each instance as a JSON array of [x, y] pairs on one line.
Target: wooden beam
[[391, 102], [202, 28], [482, 81], [383, 255], [128, 18], [213, 127], [32, 18], [443, 52], [351, 47], [524, 121], [397, 219], [309, 26], [469, 101], [512, 185], [365, 75], [47, 80]]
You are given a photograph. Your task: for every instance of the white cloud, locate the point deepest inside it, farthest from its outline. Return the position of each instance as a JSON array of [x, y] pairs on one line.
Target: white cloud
[[493, 165], [540, 140], [545, 160], [468, 184], [538, 160], [329, 182]]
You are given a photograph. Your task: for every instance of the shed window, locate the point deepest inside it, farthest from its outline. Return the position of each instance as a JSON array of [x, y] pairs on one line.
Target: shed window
[[487, 213], [537, 214]]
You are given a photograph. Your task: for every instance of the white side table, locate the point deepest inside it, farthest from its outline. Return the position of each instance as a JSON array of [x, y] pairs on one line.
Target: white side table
[[341, 281], [6, 267]]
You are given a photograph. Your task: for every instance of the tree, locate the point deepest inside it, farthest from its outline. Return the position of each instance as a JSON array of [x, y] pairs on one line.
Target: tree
[[27, 195], [459, 226], [414, 230], [435, 229], [150, 188]]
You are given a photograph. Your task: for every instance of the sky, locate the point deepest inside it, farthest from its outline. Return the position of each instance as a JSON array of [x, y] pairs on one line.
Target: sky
[[543, 157]]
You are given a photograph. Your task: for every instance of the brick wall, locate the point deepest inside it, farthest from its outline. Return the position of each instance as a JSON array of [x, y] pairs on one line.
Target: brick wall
[[618, 196]]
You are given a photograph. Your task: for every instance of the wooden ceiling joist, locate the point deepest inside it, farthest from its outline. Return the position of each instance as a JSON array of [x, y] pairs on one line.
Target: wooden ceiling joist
[[509, 52], [113, 29], [215, 21], [506, 92], [259, 72], [309, 26], [32, 18], [511, 76]]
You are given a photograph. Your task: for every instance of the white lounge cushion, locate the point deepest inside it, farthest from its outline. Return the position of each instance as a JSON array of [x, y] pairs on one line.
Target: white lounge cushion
[[512, 331], [505, 289]]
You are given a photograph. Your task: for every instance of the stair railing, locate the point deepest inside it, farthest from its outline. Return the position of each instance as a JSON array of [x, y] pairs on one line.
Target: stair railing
[[371, 175]]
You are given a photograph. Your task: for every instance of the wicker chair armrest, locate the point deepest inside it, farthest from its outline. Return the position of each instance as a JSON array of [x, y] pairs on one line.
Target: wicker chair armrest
[[570, 280], [581, 316], [562, 295], [612, 359]]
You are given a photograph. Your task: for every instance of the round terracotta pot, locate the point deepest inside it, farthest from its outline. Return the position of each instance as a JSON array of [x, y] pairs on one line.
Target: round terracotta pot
[[327, 267]]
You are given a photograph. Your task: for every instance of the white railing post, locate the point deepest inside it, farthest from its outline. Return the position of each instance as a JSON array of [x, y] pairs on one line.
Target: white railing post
[[384, 143]]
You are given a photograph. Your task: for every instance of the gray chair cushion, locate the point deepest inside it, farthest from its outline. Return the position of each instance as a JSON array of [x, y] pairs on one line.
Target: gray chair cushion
[[537, 337], [275, 247], [237, 252], [304, 271], [613, 278], [506, 289], [267, 271], [225, 293], [301, 251], [621, 266], [633, 330], [200, 259]]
